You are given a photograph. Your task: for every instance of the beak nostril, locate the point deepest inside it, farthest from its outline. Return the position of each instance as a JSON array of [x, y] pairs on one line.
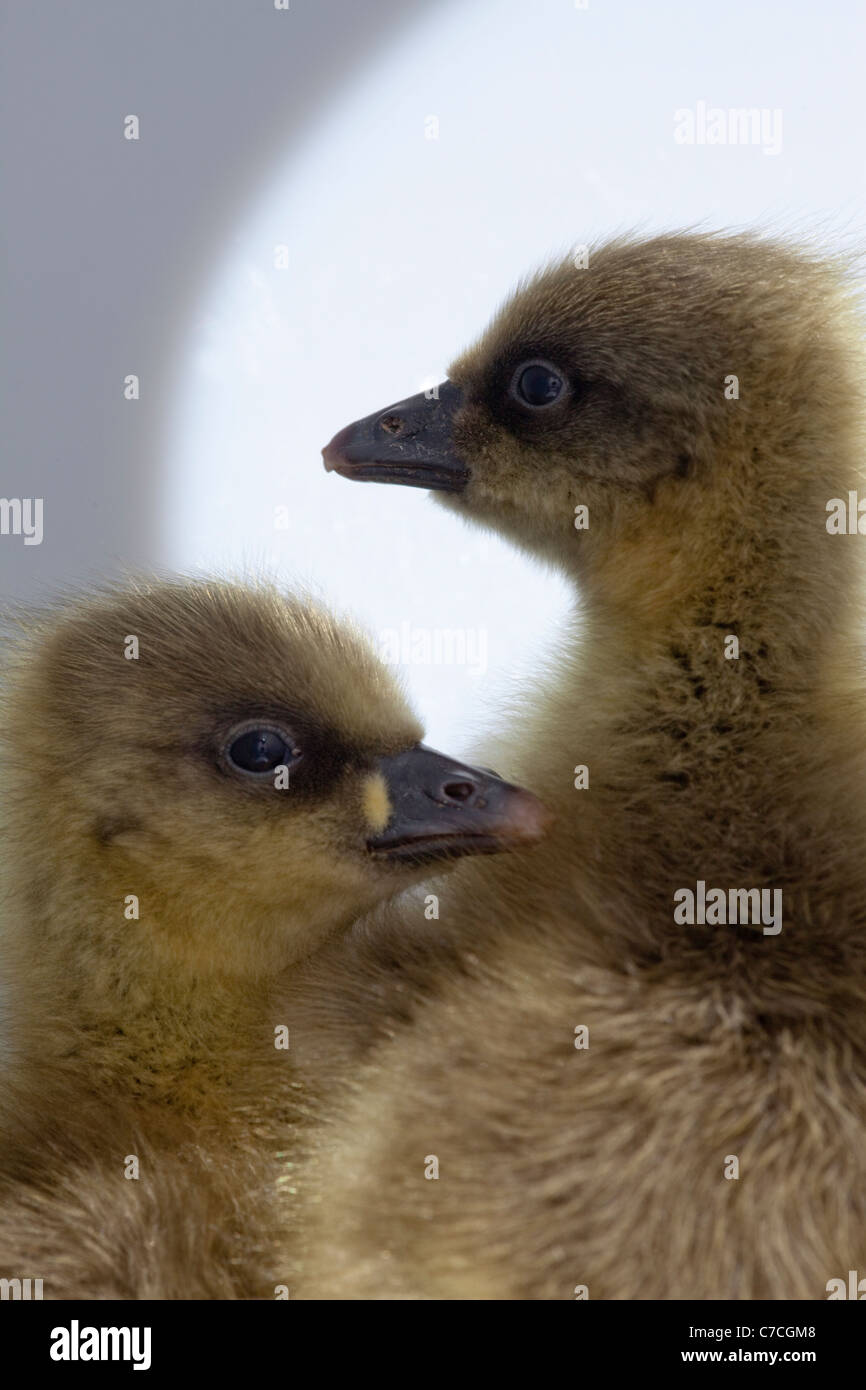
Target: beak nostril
[[459, 791], [391, 424]]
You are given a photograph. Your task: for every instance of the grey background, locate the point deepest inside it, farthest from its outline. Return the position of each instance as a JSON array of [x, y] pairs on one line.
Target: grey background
[[106, 242]]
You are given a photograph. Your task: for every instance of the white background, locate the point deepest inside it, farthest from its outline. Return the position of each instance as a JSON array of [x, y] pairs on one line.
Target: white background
[[307, 128]]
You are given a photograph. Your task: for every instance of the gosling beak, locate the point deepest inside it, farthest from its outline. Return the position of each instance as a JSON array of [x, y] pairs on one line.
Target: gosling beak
[[411, 442], [442, 809]]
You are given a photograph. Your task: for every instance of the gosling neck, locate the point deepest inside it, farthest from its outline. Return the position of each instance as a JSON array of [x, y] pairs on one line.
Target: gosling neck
[[713, 694], [135, 990]]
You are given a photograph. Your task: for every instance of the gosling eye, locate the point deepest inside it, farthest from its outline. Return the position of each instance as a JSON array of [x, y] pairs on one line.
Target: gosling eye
[[258, 749], [537, 384]]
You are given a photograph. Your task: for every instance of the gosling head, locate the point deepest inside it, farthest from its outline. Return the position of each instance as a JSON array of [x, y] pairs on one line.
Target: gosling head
[[663, 410], [238, 761]]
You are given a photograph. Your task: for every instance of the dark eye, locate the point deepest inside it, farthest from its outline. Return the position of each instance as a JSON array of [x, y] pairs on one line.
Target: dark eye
[[537, 384], [260, 750]]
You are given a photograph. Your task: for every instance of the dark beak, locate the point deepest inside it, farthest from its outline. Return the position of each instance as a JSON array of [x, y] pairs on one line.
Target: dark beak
[[442, 809], [411, 442]]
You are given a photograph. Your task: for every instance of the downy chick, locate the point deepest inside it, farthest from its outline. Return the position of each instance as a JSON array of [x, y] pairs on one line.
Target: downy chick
[[672, 427], [202, 784]]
